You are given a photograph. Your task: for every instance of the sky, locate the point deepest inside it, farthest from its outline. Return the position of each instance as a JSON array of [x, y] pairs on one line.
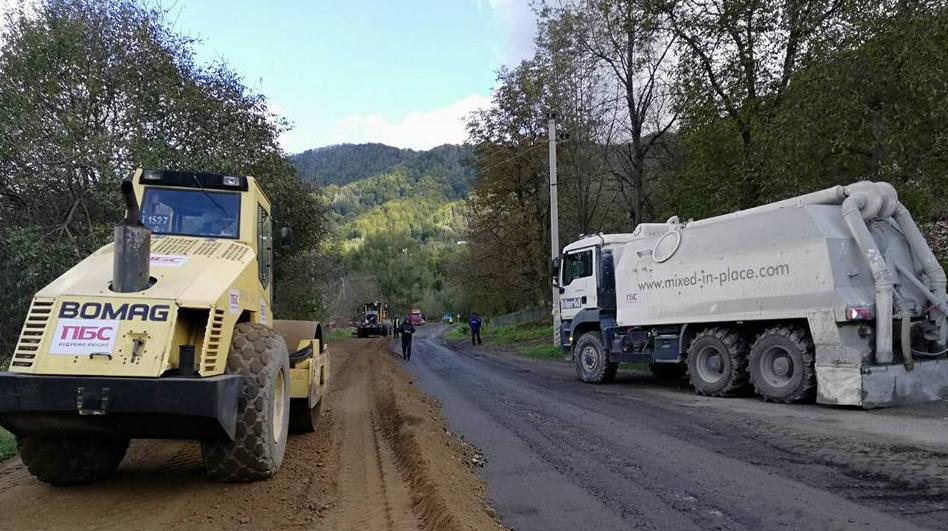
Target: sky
[[399, 72]]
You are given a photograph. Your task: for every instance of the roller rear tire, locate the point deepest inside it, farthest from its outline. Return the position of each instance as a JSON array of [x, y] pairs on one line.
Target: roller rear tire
[[263, 412]]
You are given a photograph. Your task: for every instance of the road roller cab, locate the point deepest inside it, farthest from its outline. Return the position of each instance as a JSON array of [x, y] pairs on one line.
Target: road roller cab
[[167, 332]]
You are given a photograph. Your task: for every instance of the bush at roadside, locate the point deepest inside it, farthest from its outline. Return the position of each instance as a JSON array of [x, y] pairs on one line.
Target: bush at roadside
[[7, 445]]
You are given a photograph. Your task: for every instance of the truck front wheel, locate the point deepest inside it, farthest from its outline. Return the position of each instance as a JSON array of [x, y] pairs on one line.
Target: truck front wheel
[[263, 411], [592, 364], [71, 460], [782, 365], [717, 362]]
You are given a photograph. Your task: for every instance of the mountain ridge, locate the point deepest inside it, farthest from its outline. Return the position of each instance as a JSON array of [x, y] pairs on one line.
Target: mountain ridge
[[374, 188], [343, 164]]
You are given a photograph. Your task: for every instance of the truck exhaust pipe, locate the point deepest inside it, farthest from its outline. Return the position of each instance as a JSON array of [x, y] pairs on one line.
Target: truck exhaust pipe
[[132, 249]]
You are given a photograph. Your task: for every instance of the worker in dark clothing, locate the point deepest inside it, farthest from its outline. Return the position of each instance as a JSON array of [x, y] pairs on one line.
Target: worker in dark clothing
[[407, 331], [475, 324], [396, 328]]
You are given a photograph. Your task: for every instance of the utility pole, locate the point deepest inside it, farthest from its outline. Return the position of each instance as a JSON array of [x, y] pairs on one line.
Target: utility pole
[[554, 223]]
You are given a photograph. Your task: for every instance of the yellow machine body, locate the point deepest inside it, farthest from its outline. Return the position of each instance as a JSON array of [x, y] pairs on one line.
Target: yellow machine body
[[201, 287]]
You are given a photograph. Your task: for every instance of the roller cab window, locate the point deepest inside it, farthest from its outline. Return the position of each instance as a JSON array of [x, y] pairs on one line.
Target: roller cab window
[[191, 212]]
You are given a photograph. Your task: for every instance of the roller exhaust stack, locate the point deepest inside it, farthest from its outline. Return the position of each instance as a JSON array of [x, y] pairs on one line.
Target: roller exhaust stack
[[130, 267]]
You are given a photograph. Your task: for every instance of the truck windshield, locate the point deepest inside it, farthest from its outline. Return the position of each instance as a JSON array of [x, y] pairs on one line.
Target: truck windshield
[[577, 265], [191, 212]]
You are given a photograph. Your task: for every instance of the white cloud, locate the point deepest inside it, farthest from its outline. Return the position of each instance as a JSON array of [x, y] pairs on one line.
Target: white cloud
[[520, 23], [417, 130]]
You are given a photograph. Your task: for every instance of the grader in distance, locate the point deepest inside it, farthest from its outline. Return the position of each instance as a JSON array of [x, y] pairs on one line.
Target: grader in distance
[[166, 333]]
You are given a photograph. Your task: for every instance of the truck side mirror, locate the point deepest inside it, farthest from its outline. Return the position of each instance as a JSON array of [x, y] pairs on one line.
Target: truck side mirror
[[555, 271], [286, 237]]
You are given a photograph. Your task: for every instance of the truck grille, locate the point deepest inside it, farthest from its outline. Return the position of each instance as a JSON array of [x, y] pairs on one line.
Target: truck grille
[[212, 343], [32, 333]]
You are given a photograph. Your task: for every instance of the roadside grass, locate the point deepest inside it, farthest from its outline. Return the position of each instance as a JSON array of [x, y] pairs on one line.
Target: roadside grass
[[542, 351], [534, 340], [505, 335], [7, 445], [457, 332], [340, 334]]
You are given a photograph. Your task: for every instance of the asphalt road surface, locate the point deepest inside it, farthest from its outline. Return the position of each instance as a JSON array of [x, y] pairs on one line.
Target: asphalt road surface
[[646, 454]]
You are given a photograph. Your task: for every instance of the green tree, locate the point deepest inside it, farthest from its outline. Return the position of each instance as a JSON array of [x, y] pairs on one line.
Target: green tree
[[737, 59], [91, 89], [876, 107], [396, 264], [509, 203], [612, 61]]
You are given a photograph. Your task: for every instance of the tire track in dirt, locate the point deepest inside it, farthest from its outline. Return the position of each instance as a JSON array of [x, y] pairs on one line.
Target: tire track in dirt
[[380, 459], [371, 491], [401, 468]]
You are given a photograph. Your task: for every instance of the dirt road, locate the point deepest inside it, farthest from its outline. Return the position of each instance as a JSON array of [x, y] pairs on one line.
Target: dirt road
[[640, 454], [380, 459]]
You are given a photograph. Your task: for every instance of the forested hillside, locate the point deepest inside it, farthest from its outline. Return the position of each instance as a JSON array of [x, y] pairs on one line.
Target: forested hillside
[[344, 163], [398, 216]]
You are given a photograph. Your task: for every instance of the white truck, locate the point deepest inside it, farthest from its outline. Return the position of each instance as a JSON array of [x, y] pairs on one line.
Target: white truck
[[833, 296]]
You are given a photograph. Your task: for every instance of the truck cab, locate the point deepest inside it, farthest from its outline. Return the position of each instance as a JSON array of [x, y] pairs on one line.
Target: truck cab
[[585, 275]]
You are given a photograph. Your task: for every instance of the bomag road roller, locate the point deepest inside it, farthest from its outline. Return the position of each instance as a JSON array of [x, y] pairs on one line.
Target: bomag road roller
[[167, 332]]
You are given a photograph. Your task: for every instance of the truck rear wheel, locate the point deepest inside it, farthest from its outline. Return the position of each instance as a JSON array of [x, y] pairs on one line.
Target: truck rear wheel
[[65, 461], [263, 413], [717, 362], [782, 365], [592, 364]]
